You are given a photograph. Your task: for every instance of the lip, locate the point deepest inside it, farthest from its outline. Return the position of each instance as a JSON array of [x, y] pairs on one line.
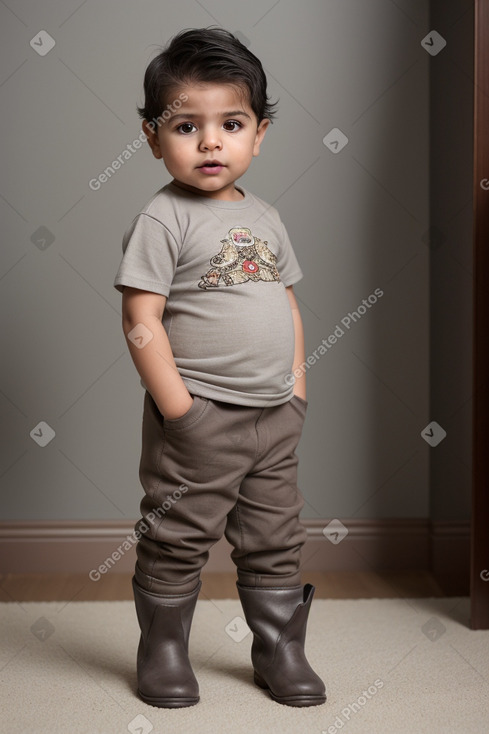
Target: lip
[[211, 167]]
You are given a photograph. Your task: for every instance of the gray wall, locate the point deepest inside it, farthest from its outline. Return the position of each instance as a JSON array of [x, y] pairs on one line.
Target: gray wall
[[358, 220]]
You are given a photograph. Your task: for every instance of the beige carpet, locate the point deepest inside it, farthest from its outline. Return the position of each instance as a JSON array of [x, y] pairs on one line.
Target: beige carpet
[[390, 665]]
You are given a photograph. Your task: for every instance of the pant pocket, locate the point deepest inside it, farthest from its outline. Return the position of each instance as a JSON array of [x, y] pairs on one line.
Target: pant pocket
[[190, 418], [299, 406], [300, 400]]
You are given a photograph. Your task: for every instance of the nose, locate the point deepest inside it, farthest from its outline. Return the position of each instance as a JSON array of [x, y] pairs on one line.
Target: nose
[[210, 140]]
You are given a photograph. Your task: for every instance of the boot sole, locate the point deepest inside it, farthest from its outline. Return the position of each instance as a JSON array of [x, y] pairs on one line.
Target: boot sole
[[168, 703], [290, 700]]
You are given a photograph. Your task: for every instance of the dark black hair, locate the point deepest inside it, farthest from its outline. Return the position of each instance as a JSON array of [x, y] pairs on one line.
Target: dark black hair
[[204, 55]]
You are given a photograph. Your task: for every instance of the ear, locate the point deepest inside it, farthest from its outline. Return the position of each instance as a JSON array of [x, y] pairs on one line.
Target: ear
[[150, 130], [260, 134]]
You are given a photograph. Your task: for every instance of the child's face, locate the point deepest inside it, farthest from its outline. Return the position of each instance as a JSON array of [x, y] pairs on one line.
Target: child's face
[[215, 124]]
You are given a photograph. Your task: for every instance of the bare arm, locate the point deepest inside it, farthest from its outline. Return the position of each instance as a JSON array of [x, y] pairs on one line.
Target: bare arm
[[154, 361], [299, 352]]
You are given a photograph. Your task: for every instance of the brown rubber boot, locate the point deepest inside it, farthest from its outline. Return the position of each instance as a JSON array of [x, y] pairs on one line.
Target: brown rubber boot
[[165, 676], [277, 616]]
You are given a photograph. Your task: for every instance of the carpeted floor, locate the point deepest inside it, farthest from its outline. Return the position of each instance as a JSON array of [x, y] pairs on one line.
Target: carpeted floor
[[390, 665]]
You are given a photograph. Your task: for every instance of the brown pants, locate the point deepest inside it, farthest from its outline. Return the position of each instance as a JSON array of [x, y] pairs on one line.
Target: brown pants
[[220, 468]]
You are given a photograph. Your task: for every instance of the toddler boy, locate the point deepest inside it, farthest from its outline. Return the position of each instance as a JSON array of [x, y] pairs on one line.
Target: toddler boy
[[214, 331]]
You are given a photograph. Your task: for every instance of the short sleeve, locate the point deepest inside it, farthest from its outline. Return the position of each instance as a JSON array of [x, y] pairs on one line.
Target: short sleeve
[[287, 264], [150, 256]]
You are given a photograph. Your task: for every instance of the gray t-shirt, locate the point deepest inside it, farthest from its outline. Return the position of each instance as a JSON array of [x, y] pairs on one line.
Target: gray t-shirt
[[223, 266]]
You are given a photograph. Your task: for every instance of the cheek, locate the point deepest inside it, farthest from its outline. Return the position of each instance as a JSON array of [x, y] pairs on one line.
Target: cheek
[[249, 153], [242, 149], [177, 152]]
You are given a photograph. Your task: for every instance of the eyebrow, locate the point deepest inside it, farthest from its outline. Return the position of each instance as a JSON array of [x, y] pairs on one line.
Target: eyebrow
[[232, 113]]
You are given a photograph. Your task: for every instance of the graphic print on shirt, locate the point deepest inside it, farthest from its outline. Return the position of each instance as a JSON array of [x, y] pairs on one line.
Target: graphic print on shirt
[[242, 257]]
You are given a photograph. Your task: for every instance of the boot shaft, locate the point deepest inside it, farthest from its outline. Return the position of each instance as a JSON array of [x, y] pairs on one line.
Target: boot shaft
[[271, 611], [173, 612]]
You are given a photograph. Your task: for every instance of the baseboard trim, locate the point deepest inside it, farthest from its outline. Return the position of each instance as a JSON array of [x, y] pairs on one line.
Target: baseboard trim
[[368, 545]]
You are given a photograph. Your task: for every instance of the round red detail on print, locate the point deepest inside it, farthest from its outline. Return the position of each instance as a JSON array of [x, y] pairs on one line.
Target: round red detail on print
[[250, 267]]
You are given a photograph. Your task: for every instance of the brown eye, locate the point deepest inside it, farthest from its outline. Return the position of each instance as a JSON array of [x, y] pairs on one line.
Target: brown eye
[[186, 128], [231, 125]]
